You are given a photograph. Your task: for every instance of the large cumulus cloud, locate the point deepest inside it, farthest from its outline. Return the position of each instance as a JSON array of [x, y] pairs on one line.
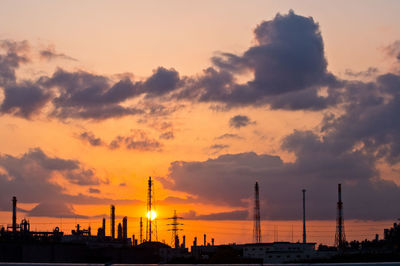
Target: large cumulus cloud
[[287, 63]]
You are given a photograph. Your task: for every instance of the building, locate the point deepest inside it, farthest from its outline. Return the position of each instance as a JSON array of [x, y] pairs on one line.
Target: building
[[280, 252]]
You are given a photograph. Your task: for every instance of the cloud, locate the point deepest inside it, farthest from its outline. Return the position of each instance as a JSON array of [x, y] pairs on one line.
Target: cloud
[[24, 100], [216, 148], [30, 178], [51, 54], [138, 140], [16, 53], [91, 139], [167, 135], [229, 180], [288, 64], [239, 121], [161, 82], [229, 136], [218, 216], [177, 200], [94, 190], [367, 73], [54, 209], [393, 50]]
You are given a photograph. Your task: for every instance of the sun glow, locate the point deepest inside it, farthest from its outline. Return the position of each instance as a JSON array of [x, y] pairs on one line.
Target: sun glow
[[152, 215]]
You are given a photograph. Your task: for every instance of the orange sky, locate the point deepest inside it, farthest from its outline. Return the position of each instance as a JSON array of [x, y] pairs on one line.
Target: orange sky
[[105, 38]]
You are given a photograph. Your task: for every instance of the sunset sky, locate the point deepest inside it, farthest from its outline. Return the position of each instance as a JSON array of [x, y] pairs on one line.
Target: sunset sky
[[207, 98]]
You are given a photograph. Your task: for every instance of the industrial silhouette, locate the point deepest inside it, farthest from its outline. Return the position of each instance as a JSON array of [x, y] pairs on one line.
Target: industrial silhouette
[[340, 237], [257, 224], [175, 229], [19, 244]]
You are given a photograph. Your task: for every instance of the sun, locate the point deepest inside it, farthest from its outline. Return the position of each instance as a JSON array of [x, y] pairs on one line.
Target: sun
[[152, 215]]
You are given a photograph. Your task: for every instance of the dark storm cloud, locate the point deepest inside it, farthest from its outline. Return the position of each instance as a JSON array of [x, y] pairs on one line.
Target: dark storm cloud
[[288, 64], [88, 96], [30, 178], [161, 82], [368, 123], [239, 121], [24, 100], [218, 216], [15, 54], [91, 139], [229, 180], [51, 54]]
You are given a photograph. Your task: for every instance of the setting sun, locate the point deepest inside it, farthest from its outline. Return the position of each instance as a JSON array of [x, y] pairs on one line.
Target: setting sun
[[152, 215]]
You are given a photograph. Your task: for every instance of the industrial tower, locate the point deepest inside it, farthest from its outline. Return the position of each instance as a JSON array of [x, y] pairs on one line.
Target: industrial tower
[[340, 237], [175, 229], [112, 217], [304, 216], [151, 225], [257, 224], [141, 231]]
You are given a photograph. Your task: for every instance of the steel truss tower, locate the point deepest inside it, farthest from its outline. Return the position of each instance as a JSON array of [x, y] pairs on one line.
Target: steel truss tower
[[257, 224], [340, 237], [151, 225], [175, 229]]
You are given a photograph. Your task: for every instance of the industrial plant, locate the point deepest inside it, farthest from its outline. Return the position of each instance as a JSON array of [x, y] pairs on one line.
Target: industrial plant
[[18, 243]]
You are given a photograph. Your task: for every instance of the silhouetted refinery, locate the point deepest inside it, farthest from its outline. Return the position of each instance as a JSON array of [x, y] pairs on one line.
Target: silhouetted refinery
[[18, 243]]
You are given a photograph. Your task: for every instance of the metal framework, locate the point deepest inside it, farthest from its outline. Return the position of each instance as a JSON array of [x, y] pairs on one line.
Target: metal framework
[[340, 237], [304, 216], [257, 223], [175, 229], [151, 225]]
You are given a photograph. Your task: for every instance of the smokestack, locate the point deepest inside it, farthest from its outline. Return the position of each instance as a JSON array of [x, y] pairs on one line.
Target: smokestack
[[212, 241], [183, 241], [195, 241], [14, 217], [205, 240], [119, 231], [141, 231], [103, 227], [304, 216], [125, 228], [112, 221]]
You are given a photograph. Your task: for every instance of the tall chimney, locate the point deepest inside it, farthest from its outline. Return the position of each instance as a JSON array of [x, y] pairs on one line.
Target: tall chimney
[[14, 218], [205, 240], [195, 241], [183, 241], [125, 228], [112, 221], [212, 241], [119, 231], [304, 216], [103, 227]]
